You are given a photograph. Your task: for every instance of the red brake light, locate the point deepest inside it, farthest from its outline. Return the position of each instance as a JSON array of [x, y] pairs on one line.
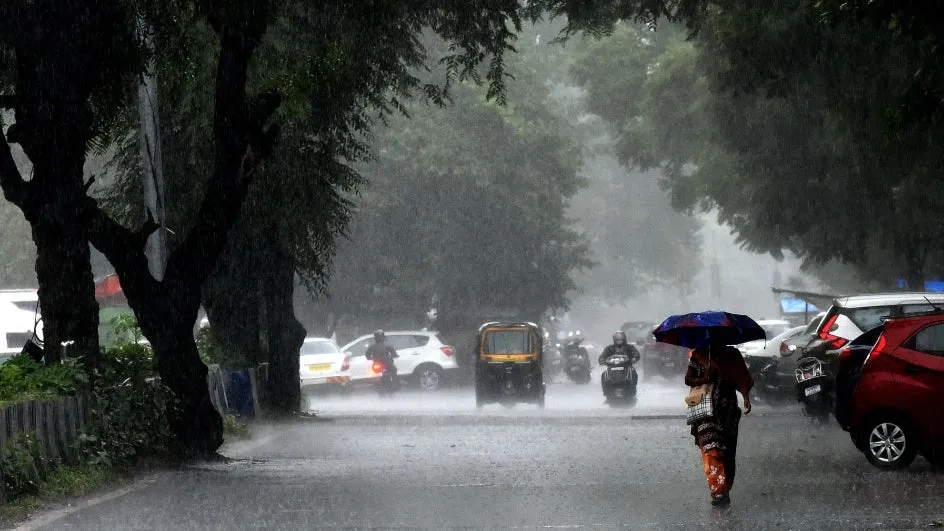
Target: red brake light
[[834, 342], [377, 367], [837, 342], [879, 346], [783, 348], [346, 364], [824, 330], [449, 351]]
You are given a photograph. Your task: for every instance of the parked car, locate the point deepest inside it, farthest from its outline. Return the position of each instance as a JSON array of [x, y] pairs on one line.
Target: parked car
[[772, 329], [850, 317], [322, 365], [424, 359], [849, 369], [797, 343], [894, 411]]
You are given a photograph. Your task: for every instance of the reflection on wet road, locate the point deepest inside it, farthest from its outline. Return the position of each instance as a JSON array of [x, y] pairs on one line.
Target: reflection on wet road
[[430, 461]]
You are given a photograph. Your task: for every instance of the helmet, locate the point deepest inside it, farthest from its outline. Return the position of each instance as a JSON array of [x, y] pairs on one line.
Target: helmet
[[619, 337], [379, 335]]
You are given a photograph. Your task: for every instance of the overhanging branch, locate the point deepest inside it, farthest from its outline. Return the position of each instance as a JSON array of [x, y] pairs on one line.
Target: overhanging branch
[[242, 143], [124, 248]]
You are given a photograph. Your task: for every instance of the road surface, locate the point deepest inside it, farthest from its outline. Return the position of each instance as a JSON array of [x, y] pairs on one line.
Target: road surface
[[432, 462]]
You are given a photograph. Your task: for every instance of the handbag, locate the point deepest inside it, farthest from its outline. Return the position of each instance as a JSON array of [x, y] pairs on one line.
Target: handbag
[[703, 410]]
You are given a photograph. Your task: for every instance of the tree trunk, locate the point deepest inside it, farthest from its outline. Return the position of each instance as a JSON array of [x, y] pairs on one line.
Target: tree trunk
[[232, 301], [167, 320], [63, 268], [283, 332], [53, 126]]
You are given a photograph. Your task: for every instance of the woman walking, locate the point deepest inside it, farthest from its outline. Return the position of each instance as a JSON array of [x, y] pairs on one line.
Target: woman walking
[[722, 368]]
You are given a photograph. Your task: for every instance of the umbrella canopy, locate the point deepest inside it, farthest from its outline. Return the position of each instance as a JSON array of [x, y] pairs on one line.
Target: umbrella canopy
[[693, 330]]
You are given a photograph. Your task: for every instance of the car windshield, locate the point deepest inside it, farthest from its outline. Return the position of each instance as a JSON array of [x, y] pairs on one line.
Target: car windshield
[[318, 347], [507, 342], [868, 318], [774, 330], [814, 324]]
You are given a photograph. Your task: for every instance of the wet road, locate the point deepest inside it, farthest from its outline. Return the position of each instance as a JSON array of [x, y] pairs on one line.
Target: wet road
[[432, 462]]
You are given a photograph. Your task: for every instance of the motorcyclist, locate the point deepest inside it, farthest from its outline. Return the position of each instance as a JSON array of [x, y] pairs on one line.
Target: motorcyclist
[[619, 346], [384, 353]]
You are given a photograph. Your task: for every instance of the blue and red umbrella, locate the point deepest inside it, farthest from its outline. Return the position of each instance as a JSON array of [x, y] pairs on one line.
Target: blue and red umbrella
[[693, 330]]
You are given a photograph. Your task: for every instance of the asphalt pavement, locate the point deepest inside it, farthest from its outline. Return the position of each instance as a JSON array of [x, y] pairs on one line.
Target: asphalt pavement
[[430, 461]]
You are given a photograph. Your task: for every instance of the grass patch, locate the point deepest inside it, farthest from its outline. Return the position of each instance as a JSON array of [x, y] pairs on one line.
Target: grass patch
[[62, 483], [234, 429]]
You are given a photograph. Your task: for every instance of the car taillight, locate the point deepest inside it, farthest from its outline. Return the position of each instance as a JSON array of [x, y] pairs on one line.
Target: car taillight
[[346, 364], [833, 342], [377, 367], [824, 330], [449, 351], [877, 349], [783, 348]]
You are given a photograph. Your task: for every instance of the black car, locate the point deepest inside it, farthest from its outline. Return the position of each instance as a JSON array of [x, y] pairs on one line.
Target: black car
[[849, 367]]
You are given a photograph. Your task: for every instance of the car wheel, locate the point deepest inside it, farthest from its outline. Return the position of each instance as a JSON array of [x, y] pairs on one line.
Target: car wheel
[[889, 442], [429, 378]]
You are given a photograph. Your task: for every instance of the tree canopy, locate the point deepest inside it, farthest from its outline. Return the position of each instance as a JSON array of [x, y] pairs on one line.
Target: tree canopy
[[780, 121]]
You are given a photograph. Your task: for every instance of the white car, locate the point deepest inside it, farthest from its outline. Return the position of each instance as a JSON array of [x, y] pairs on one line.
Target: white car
[[774, 347], [423, 358], [772, 329], [321, 363], [16, 328]]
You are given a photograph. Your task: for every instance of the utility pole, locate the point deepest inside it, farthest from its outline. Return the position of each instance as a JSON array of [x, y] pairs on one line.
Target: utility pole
[[152, 174]]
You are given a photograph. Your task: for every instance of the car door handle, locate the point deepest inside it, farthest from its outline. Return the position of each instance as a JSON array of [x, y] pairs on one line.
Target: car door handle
[[911, 369]]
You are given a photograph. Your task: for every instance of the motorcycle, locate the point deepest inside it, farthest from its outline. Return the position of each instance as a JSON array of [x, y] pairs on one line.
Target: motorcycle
[[814, 386], [388, 383], [553, 360], [770, 386], [576, 362], [619, 380]]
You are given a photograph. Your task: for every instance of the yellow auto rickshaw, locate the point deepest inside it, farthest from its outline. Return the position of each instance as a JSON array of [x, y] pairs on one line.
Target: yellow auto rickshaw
[[508, 364]]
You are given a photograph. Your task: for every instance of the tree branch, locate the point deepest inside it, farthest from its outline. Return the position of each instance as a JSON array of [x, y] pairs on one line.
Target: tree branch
[[124, 248], [242, 143], [15, 188]]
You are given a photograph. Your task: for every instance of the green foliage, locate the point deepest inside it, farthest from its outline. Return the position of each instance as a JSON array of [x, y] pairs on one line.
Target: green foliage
[[23, 379], [67, 481], [467, 206], [234, 428], [780, 123], [21, 465], [129, 404], [212, 352], [62, 482]]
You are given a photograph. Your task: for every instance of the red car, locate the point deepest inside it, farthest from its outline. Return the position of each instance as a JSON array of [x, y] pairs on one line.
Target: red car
[[895, 409]]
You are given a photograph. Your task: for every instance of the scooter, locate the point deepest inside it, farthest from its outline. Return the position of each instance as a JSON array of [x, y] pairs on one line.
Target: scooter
[[388, 383], [814, 386], [619, 381], [576, 362]]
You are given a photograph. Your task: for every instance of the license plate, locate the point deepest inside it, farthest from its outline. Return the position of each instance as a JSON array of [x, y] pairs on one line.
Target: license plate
[[813, 389], [319, 367]]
